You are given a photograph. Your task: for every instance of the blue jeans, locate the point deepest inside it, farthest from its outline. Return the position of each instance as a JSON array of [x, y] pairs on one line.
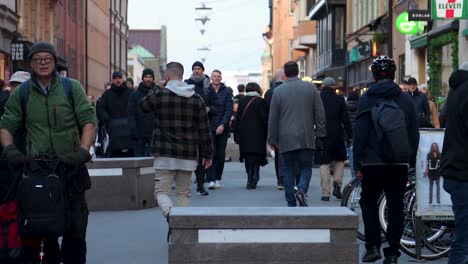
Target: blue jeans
[[459, 195], [142, 147], [303, 159], [349, 151]]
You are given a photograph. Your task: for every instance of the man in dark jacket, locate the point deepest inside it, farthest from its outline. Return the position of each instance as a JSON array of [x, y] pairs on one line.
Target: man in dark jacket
[[208, 94], [221, 124], [454, 163], [113, 111], [279, 80], [421, 104], [140, 123], [337, 122], [378, 174]]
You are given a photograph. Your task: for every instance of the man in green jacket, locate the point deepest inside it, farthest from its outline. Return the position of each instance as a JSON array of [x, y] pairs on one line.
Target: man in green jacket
[[53, 126]]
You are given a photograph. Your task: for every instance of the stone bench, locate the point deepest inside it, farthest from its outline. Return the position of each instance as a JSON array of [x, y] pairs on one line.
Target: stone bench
[[254, 235], [121, 184]]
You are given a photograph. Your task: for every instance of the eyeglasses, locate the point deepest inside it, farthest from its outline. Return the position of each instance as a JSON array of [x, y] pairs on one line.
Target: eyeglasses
[[45, 60]]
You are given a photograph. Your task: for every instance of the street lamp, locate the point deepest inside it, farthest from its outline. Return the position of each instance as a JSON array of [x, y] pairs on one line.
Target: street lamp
[[203, 53]]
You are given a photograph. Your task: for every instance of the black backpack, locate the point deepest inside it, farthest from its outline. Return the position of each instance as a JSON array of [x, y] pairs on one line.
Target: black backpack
[[391, 128], [42, 206]]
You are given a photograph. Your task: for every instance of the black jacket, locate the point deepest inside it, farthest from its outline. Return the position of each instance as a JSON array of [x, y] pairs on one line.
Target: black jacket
[[113, 111], [423, 111], [209, 97], [269, 93], [454, 164], [337, 122], [251, 127], [224, 107], [352, 106], [140, 123], [366, 148]]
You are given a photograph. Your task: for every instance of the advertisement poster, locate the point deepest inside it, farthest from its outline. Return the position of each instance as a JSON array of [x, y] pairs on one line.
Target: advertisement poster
[[433, 202]]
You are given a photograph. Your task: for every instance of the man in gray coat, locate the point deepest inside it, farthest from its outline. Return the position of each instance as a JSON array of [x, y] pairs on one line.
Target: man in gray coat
[[296, 121]]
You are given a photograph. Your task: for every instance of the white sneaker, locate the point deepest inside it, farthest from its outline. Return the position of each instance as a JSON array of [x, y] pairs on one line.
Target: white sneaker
[[217, 184], [211, 185]]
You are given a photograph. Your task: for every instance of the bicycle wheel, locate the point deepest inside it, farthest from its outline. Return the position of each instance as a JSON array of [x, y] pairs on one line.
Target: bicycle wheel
[[351, 197], [434, 244]]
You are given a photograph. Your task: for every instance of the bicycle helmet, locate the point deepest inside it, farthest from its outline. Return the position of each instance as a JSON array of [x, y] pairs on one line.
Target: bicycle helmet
[[383, 67]]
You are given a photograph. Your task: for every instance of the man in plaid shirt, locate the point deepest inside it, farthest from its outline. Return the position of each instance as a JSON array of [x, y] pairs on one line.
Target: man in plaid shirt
[[181, 124]]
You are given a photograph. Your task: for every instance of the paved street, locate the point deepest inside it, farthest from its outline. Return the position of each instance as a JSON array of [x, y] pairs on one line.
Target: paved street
[[139, 237]]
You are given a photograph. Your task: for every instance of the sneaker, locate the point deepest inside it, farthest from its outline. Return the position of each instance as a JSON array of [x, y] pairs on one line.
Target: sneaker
[[280, 187], [202, 192], [372, 255], [217, 184], [301, 197], [325, 198], [211, 185]]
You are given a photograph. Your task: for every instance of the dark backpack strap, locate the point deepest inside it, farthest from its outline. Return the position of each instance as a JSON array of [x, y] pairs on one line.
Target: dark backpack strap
[[24, 94], [67, 86]]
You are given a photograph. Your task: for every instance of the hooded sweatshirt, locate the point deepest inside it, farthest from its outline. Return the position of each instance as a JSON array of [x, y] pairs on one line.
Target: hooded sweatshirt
[[366, 146], [454, 163]]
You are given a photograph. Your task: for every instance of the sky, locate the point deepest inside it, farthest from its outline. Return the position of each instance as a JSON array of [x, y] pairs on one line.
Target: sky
[[234, 34]]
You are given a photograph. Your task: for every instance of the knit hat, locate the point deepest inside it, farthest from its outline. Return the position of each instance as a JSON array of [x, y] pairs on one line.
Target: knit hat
[[19, 76], [199, 64], [328, 82], [146, 72], [117, 74], [412, 81], [42, 46], [130, 80]]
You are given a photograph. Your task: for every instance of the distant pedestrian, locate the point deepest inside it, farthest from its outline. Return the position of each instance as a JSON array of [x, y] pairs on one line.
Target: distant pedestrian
[[250, 132], [129, 82], [420, 102], [113, 111], [141, 124], [205, 90], [432, 107], [404, 86], [337, 122], [454, 164], [373, 159], [296, 121], [181, 127], [279, 80], [352, 105], [221, 125]]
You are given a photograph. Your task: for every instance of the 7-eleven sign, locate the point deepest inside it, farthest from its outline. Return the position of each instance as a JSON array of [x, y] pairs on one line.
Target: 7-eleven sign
[[449, 9]]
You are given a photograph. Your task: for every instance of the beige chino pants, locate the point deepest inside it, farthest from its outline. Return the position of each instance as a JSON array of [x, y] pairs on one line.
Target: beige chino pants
[[163, 182], [325, 177]]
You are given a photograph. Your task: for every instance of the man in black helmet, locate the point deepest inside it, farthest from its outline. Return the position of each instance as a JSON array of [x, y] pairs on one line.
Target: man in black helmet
[[379, 171]]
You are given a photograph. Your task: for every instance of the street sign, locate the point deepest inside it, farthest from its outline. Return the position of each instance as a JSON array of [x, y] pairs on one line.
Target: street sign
[[449, 9], [17, 51], [404, 26], [419, 15]]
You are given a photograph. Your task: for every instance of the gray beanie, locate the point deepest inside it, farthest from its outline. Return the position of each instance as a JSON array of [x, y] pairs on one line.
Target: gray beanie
[[328, 82], [43, 46]]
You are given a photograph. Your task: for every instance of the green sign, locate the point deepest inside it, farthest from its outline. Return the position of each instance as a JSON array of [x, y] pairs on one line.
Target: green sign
[[449, 9], [404, 26]]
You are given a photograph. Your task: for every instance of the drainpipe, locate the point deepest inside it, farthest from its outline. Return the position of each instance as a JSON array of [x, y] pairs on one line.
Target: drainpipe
[[390, 29], [86, 46]]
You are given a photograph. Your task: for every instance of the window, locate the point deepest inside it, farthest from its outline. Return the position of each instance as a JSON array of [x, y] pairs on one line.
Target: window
[[339, 27], [401, 67], [72, 11]]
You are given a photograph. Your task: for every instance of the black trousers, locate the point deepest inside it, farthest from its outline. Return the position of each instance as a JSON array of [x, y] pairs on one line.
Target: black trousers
[[279, 172], [73, 249], [216, 171], [392, 181]]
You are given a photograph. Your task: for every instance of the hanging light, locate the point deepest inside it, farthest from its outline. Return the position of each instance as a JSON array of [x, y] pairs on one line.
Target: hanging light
[[203, 53]]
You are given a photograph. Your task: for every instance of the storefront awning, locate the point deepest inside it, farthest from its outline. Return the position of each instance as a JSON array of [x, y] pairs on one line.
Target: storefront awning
[[418, 41]]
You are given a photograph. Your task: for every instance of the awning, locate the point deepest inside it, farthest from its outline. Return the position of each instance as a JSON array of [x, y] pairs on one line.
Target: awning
[[418, 41]]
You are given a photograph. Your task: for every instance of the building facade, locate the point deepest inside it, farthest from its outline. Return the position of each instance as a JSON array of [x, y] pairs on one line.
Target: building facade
[[330, 16], [282, 23], [305, 38], [118, 36], [8, 22]]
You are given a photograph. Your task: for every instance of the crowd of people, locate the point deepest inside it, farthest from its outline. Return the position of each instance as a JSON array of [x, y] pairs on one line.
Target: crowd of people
[[186, 124]]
